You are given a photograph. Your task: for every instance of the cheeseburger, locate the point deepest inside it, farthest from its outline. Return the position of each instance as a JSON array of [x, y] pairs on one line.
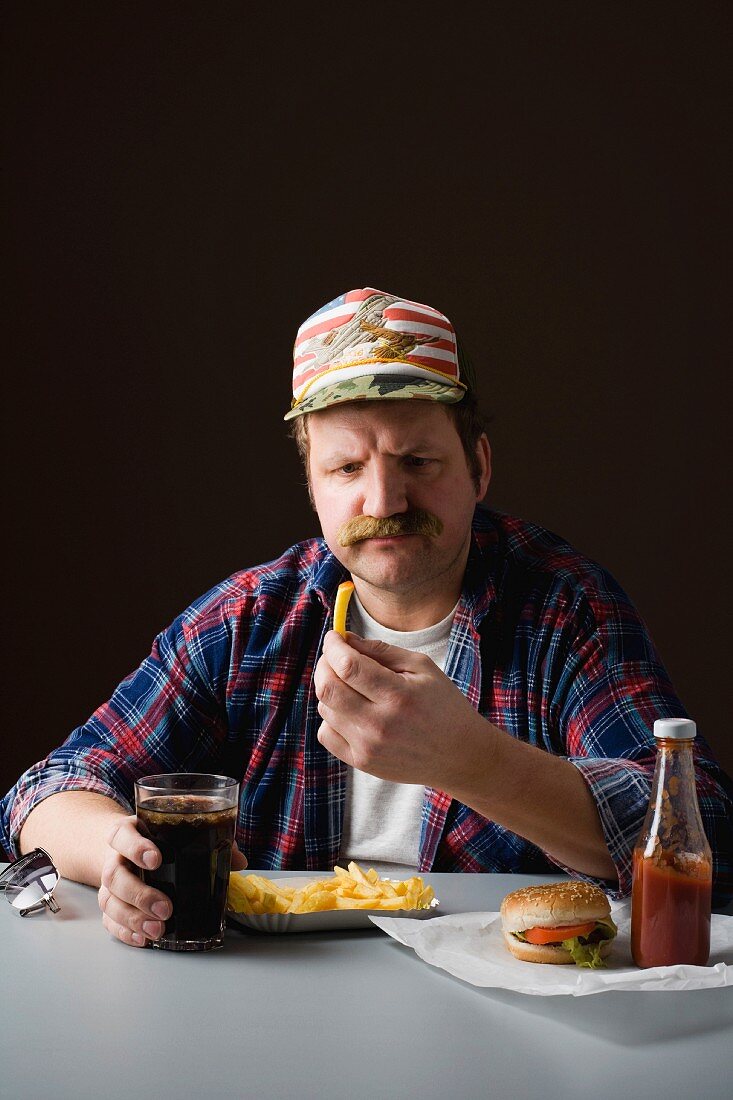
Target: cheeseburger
[[562, 922]]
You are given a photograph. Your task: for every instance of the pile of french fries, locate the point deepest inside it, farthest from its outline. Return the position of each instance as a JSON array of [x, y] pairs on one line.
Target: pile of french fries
[[350, 889]]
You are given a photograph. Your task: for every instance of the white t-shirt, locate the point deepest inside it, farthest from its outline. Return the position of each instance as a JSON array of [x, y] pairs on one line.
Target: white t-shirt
[[382, 819]]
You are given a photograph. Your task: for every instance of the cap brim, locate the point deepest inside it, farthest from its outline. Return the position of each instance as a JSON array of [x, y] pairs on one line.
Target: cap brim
[[371, 387]]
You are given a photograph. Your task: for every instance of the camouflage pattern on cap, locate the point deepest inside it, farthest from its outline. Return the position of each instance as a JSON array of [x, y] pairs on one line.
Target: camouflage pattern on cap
[[372, 387], [369, 345]]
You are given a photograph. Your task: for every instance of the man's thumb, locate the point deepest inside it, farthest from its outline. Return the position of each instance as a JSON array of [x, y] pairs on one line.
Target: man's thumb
[[239, 860]]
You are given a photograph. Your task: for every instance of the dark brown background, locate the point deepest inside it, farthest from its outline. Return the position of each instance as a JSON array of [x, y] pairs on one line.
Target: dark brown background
[[185, 183]]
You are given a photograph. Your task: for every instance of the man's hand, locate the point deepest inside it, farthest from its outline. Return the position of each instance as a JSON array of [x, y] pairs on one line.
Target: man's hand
[[132, 911], [390, 712], [395, 714]]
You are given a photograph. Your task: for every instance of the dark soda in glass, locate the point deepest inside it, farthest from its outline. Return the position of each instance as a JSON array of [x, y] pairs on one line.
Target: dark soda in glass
[[194, 833]]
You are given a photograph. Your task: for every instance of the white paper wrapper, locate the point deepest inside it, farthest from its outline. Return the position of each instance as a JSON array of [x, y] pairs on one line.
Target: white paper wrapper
[[471, 947]]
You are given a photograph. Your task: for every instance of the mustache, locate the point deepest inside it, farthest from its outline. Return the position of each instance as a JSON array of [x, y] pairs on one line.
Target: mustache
[[416, 522]]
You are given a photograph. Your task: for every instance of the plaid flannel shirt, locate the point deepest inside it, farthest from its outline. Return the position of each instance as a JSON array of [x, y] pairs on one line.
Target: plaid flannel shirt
[[544, 644]]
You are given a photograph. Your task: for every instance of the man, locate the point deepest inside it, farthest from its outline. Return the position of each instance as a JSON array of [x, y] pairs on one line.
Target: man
[[491, 708]]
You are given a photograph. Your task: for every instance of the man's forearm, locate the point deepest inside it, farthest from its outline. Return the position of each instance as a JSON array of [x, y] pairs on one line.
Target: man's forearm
[[73, 826], [541, 797]]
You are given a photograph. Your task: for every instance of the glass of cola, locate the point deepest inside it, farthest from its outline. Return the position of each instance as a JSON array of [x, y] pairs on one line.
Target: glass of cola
[[191, 818]]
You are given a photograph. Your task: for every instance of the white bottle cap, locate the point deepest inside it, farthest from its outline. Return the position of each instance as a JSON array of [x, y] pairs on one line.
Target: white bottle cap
[[677, 729]]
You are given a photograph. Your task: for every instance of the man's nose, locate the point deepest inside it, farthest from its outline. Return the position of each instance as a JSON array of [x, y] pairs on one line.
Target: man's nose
[[385, 494]]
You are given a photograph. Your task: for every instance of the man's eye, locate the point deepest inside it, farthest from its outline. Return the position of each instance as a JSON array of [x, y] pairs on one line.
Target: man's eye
[[348, 468], [415, 460]]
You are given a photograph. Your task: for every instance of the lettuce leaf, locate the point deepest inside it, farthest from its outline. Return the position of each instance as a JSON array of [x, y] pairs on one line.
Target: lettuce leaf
[[586, 950], [584, 953]]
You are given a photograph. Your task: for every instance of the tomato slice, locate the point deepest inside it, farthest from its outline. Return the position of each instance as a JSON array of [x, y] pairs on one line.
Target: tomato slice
[[555, 935]]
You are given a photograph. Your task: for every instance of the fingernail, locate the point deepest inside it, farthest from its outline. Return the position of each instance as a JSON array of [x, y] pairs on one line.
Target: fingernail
[[151, 928], [137, 938], [160, 909], [149, 859]]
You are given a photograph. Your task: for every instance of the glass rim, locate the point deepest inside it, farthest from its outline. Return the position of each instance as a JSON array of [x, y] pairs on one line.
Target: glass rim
[[190, 781]]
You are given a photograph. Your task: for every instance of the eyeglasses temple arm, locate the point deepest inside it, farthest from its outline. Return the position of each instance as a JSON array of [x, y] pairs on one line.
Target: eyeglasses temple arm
[[49, 902]]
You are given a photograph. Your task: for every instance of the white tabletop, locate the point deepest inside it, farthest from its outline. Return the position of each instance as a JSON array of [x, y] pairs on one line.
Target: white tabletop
[[342, 1015]]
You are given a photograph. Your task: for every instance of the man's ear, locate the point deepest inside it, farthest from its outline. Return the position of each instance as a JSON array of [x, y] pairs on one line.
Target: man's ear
[[483, 453]]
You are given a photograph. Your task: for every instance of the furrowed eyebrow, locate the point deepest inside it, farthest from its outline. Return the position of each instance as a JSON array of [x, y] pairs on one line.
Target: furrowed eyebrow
[[341, 458], [420, 445]]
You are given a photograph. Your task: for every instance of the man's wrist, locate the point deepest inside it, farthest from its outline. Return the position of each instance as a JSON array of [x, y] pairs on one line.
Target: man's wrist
[[471, 759]]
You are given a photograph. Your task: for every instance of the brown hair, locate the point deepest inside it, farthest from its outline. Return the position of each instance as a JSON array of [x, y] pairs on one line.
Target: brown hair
[[466, 415]]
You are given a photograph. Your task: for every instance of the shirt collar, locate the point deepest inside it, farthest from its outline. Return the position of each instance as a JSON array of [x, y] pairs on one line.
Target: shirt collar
[[325, 574], [479, 580]]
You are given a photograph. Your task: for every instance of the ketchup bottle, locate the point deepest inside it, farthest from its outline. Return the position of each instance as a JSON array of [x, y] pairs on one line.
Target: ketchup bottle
[[672, 868]]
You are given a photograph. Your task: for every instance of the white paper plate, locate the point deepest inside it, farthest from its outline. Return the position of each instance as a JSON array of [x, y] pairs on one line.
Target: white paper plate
[[471, 947], [331, 920]]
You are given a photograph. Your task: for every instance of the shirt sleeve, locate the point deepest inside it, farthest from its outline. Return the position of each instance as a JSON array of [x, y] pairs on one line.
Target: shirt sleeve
[[612, 689], [166, 716]]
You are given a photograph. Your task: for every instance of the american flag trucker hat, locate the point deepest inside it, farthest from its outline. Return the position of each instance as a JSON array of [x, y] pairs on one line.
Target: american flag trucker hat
[[368, 344]]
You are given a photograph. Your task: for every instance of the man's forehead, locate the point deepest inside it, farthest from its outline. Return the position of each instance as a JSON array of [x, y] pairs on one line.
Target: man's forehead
[[382, 420]]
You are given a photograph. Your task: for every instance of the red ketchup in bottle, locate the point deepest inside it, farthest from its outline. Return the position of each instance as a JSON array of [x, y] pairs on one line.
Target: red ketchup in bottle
[[672, 864]]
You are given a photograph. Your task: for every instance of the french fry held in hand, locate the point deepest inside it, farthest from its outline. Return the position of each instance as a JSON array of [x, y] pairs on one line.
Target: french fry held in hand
[[343, 595], [347, 889]]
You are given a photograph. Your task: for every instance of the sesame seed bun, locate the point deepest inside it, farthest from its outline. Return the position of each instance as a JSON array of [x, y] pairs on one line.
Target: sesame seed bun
[[553, 904]]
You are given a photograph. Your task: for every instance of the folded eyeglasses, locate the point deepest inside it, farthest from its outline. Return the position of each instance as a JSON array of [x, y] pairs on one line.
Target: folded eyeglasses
[[29, 883]]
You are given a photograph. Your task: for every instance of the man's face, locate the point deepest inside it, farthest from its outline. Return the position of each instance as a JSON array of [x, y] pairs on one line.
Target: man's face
[[394, 459]]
